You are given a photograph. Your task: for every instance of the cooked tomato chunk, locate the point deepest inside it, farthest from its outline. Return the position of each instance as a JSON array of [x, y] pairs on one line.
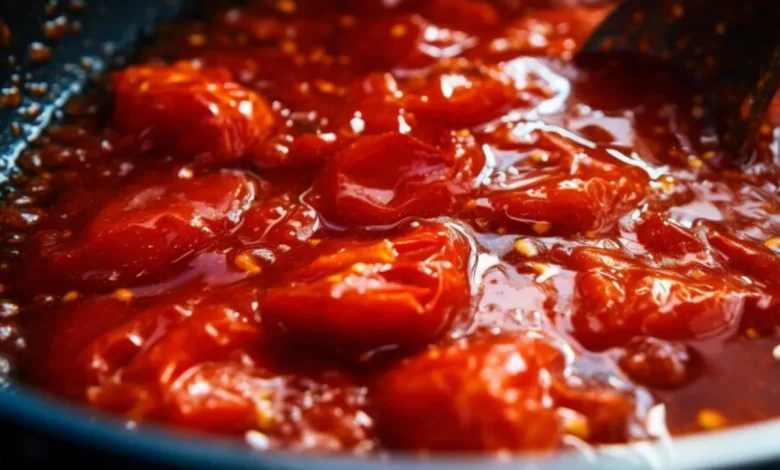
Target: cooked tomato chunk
[[484, 395], [154, 346], [149, 224], [467, 15], [464, 99], [490, 392], [64, 333], [664, 236], [660, 363], [755, 261], [611, 308], [561, 186], [360, 296], [294, 410], [280, 224], [381, 180], [568, 205], [402, 40], [197, 113], [207, 365]]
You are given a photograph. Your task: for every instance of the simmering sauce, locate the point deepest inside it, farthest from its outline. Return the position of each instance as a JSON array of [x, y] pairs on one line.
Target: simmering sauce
[[414, 225]]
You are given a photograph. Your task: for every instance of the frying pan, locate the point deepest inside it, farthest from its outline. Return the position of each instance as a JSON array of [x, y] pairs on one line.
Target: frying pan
[[59, 432]]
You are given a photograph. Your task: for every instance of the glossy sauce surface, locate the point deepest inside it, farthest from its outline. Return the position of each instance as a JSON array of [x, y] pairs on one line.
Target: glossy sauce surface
[[359, 227]]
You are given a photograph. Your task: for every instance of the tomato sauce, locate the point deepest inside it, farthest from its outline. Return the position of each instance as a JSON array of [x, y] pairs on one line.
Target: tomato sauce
[[370, 226]]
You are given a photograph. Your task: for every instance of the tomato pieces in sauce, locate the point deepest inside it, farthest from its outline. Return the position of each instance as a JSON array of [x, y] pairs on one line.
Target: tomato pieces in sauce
[[494, 392], [401, 292], [384, 179], [142, 229], [199, 113], [409, 226]]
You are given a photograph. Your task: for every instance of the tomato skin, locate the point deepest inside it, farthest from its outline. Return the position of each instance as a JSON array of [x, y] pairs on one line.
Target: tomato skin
[[466, 15], [659, 363], [142, 230], [322, 410], [398, 40], [755, 261], [356, 297], [569, 205], [193, 112], [610, 309], [211, 397], [132, 368], [153, 346], [429, 401], [297, 152], [384, 179], [662, 236], [568, 188], [491, 392], [463, 100], [279, 225], [63, 334], [205, 362], [116, 351], [313, 150]]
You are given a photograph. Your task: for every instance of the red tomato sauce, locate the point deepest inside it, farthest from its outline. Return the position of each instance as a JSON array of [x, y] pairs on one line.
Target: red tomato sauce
[[370, 226]]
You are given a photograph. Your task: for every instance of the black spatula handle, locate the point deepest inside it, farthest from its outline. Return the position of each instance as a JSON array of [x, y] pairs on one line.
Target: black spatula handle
[[731, 48]]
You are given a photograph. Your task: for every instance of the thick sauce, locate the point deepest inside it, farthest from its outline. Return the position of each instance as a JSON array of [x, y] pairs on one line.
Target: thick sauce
[[409, 226]]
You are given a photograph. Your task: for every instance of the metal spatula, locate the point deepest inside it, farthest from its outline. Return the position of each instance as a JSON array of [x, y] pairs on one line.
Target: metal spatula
[[730, 48]]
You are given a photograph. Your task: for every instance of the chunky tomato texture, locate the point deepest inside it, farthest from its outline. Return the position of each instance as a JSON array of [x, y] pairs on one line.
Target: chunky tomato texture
[[297, 151], [612, 307], [400, 40], [468, 95], [63, 333], [374, 104], [561, 188], [568, 205], [368, 106], [463, 99], [384, 179], [484, 394], [312, 149], [205, 363], [678, 290], [757, 262], [323, 411], [193, 112], [760, 265], [661, 235], [141, 357], [280, 223], [465, 15], [491, 392], [357, 296], [556, 31], [149, 224], [659, 363]]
